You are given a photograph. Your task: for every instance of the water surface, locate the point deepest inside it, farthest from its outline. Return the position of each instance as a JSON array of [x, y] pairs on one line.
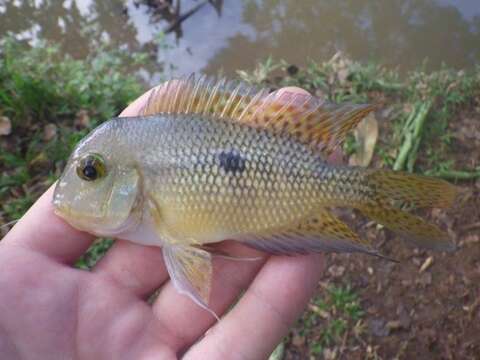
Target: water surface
[[237, 34]]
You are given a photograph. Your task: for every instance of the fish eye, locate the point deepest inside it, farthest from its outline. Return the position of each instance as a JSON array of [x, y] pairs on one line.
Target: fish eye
[[91, 167]]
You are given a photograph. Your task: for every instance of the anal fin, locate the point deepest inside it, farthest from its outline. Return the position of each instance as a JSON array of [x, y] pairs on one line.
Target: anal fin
[[411, 227], [322, 233]]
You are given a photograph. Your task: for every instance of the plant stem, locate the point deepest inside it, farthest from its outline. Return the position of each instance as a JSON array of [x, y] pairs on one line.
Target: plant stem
[[454, 174], [412, 134]]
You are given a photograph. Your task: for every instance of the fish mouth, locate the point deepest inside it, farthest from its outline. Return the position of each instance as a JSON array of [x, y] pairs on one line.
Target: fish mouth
[[95, 225]]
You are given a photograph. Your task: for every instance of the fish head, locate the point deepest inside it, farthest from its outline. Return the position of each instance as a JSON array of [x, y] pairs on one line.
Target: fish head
[[99, 190]]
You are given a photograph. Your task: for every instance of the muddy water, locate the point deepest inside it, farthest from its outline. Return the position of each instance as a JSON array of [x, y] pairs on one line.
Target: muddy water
[[237, 34]]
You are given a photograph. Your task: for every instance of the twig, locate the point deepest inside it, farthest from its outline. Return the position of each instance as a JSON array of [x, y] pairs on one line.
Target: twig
[[470, 227], [185, 16], [344, 344], [390, 86], [454, 174]]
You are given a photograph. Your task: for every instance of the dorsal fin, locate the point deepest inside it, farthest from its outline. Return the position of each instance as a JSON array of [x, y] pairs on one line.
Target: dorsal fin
[[310, 120]]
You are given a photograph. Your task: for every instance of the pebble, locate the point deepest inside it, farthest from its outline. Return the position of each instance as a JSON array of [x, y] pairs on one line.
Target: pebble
[[425, 279], [329, 354], [5, 126], [49, 132], [298, 340], [378, 327], [394, 325], [82, 120], [336, 270]]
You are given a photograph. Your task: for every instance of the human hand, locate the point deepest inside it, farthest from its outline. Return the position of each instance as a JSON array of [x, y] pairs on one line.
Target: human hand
[[49, 309]]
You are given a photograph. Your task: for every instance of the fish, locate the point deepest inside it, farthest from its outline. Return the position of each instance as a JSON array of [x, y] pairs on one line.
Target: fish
[[207, 160]]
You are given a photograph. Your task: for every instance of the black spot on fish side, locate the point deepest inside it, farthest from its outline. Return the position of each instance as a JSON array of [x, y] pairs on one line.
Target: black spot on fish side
[[231, 161]]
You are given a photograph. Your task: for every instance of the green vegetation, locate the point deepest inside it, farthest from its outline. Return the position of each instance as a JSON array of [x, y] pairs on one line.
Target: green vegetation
[[94, 253], [51, 101], [330, 317]]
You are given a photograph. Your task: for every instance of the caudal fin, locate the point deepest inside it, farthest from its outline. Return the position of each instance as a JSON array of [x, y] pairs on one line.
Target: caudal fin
[[391, 188], [415, 190]]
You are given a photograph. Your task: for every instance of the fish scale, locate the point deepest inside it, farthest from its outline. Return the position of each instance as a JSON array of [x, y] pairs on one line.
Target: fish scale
[[205, 181]]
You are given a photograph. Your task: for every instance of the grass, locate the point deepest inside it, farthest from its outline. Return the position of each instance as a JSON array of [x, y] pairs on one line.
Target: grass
[[41, 85], [94, 254], [330, 317]]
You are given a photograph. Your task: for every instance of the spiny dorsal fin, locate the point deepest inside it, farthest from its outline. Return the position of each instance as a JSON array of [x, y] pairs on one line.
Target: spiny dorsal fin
[[314, 122], [204, 96]]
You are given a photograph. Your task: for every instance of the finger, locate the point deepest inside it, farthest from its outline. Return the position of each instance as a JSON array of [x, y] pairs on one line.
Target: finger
[[293, 90], [136, 106], [230, 279], [135, 267], [277, 296], [42, 231]]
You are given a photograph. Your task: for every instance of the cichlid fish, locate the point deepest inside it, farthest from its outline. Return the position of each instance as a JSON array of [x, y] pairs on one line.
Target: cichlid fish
[[208, 161]]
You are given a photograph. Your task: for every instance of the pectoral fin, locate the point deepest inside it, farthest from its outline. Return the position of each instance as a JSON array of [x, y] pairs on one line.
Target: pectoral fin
[[190, 269]]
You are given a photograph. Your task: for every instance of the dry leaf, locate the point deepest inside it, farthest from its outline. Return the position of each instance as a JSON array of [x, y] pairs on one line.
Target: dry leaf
[[49, 132], [82, 120], [341, 66], [366, 135], [40, 163], [428, 262], [5, 126]]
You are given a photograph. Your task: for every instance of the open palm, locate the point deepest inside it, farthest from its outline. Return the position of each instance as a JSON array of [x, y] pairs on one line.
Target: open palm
[[49, 309]]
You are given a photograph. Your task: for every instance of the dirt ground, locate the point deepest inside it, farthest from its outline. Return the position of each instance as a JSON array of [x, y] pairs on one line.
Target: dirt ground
[[427, 306]]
